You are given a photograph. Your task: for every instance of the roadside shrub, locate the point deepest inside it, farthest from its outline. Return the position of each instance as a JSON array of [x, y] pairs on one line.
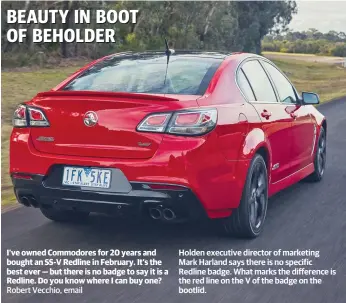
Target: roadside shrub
[[308, 46], [339, 50]]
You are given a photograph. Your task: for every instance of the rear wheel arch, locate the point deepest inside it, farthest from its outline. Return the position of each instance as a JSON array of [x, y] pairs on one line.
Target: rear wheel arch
[[257, 143], [248, 218], [253, 140], [264, 152]]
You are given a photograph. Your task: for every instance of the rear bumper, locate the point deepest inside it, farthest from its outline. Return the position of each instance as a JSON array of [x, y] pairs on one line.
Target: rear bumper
[[195, 164], [138, 200]]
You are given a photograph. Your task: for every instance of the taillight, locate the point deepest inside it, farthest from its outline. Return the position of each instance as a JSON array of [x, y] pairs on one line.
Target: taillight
[[193, 123], [25, 116], [19, 117], [155, 123], [37, 117], [189, 122]]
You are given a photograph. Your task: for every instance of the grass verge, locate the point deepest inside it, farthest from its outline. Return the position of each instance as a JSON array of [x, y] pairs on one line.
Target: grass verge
[[19, 86], [328, 80]]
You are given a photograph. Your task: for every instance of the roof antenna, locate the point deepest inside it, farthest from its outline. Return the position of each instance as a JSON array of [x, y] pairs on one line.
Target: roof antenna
[[168, 53]]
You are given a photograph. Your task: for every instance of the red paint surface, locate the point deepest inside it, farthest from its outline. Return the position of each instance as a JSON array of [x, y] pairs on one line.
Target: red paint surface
[[213, 166]]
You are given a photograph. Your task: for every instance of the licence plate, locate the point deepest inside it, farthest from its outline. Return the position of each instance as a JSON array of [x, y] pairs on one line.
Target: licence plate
[[86, 177]]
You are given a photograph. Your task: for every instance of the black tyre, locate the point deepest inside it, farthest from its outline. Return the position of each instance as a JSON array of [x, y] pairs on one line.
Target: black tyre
[[64, 215], [320, 158], [247, 220]]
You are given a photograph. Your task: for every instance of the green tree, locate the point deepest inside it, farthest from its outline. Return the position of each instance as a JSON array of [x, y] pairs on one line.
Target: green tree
[[257, 19]]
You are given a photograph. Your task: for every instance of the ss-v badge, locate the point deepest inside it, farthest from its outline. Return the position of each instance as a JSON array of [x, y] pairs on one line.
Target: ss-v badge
[[276, 166], [143, 144], [45, 139]]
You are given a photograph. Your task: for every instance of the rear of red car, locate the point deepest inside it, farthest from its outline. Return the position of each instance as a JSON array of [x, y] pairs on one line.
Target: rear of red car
[[126, 134]]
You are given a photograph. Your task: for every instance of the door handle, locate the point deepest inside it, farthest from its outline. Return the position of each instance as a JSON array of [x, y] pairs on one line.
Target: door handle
[[265, 114]]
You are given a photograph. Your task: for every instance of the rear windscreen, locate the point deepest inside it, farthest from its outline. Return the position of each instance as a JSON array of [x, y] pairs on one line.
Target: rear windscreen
[[186, 75]]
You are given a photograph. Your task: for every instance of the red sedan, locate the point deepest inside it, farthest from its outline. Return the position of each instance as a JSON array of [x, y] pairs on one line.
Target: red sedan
[[184, 136]]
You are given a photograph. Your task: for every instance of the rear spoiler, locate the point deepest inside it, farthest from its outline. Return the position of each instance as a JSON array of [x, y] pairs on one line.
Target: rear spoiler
[[158, 97]]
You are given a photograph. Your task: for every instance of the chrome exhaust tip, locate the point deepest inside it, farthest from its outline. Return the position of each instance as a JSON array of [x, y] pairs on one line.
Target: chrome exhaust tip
[[33, 202], [155, 213], [168, 214]]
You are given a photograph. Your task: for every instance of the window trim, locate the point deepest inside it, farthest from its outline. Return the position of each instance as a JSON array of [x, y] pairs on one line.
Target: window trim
[[259, 58], [276, 89], [247, 80]]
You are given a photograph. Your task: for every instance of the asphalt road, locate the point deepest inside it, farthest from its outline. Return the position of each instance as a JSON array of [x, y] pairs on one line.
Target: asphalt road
[[305, 216]]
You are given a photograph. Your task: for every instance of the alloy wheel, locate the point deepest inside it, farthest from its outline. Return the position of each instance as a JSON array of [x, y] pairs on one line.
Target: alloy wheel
[[321, 154], [258, 198]]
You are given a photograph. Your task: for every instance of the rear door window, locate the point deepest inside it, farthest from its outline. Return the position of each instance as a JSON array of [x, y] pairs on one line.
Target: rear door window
[[259, 81]]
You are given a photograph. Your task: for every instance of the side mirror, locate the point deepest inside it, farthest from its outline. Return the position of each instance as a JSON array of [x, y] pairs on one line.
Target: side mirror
[[310, 98]]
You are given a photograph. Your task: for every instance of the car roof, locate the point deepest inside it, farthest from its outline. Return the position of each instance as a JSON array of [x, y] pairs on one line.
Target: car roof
[[176, 53]]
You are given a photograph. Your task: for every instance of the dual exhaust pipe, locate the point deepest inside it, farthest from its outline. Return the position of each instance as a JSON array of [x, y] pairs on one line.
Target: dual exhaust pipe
[[156, 213], [159, 213], [28, 201]]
